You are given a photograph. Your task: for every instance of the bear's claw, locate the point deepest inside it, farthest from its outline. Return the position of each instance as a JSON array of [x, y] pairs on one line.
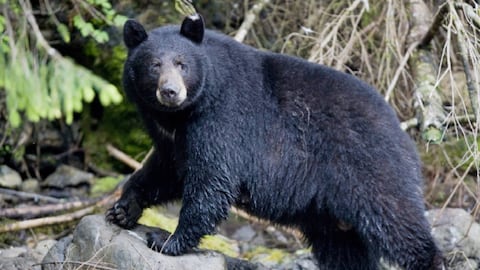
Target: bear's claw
[[163, 242], [120, 216]]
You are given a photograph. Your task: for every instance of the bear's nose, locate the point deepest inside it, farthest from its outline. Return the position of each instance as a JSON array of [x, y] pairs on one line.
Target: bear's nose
[[169, 91]]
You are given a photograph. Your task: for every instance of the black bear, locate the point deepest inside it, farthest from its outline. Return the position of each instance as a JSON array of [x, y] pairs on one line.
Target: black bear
[[293, 142]]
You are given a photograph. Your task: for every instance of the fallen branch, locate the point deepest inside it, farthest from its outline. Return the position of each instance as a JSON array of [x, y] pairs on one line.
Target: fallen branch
[[435, 26], [464, 54], [428, 101], [121, 156], [38, 222], [249, 20], [32, 196], [34, 211], [32, 223], [405, 125], [469, 11]]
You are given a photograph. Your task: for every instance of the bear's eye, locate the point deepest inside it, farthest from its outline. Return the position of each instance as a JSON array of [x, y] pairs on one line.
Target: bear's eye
[[156, 65], [180, 65]]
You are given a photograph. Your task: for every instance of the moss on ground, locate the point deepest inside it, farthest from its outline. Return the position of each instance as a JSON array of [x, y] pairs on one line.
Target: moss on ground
[[151, 217]]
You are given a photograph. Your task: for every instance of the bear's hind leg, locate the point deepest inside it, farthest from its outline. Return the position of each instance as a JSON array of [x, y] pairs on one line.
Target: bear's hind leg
[[412, 249], [337, 248], [402, 238]]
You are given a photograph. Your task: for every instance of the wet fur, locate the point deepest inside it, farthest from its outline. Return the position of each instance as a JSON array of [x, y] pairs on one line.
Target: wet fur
[[290, 141]]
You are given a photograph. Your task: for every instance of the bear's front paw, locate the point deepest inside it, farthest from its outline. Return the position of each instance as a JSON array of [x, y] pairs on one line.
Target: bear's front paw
[[124, 215], [165, 243]]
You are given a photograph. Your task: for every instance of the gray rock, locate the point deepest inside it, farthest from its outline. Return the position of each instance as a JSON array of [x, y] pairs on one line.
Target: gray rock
[[98, 243], [18, 263], [56, 253], [102, 244], [12, 252], [18, 258], [9, 178], [303, 262], [30, 185], [67, 176], [458, 236], [245, 233], [41, 249]]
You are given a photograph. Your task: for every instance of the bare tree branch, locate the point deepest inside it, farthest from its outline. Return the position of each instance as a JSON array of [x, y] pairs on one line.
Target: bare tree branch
[[32, 211], [33, 223], [435, 26], [464, 54], [470, 13], [399, 70], [27, 195], [132, 163], [249, 20], [27, 10]]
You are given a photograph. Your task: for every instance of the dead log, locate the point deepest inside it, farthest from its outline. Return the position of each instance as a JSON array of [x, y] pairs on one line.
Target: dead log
[[428, 102]]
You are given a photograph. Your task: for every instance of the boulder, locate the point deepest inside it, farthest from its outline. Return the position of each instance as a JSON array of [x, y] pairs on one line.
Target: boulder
[[67, 176], [95, 242], [9, 178], [458, 236], [67, 182]]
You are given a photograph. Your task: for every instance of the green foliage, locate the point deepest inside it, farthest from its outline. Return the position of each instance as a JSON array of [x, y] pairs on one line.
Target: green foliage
[[87, 29], [39, 82], [432, 135], [63, 31], [3, 37], [185, 7], [103, 14], [221, 244], [107, 61], [104, 185], [268, 255], [153, 218], [50, 89]]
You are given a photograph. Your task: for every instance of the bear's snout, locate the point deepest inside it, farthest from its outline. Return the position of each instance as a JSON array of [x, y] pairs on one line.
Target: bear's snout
[[171, 91]]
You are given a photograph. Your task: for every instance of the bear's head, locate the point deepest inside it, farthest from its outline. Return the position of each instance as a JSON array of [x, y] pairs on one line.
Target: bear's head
[[166, 67]]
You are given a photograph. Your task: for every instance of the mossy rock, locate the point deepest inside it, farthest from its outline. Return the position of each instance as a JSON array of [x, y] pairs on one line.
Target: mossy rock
[[104, 185], [154, 218]]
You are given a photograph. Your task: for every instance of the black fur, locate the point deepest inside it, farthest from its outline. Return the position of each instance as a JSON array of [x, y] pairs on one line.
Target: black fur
[[290, 141], [135, 32], [193, 27]]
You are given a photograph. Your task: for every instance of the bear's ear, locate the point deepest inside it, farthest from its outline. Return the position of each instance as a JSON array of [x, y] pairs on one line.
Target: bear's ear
[[193, 28], [133, 34]]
